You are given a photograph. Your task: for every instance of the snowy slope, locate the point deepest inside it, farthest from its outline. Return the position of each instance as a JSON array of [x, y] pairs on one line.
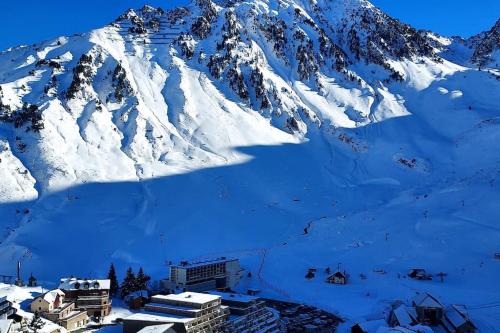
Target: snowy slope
[[293, 135], [481, 50]]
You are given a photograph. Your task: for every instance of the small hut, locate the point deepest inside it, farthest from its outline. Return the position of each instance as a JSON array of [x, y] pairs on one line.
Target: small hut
[[419, 274], [311, 273], [429, 309], [456, 320], [253, 292], [137, 299], [402, 316], [337, 278]]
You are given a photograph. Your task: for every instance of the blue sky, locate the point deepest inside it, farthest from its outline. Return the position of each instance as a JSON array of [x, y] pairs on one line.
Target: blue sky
[[30, 21]]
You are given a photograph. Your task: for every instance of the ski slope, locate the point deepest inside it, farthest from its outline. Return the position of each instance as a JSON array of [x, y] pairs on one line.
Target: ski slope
[[373, 176]]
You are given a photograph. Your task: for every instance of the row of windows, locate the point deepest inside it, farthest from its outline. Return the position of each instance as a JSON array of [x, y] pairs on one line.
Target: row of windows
[[86, 285]]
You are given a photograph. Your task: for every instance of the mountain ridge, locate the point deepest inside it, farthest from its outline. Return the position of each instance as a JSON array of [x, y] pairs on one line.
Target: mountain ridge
[[292, 135]]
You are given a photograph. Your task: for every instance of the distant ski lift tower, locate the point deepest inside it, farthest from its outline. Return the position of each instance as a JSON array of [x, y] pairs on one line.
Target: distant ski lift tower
[[19, 281]]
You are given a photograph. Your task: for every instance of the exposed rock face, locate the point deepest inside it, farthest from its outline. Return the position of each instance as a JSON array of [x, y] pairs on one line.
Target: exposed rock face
[[292, 133], [486, 44]]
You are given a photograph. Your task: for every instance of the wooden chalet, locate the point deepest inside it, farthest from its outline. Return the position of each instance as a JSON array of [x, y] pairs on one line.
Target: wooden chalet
[[456, 320], [419, 274], [311, 273], [403, 316], [429, 310], [337, 278], [137, 299]]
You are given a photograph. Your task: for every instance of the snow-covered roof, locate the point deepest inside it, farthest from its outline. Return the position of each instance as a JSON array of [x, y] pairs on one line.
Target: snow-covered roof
[[156, 328], [404, 315], [158, 317], [427, 300], [188, 296], [5, 325], [338, 274], [138, 293], [234, 297], [399, 329], [455, 316], [372, 325], [51, 296], [165, 308], [74, 284], [190, 264]]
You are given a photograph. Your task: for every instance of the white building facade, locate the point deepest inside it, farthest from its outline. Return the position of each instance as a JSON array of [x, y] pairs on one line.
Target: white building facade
[[188, 312], [218, 274]]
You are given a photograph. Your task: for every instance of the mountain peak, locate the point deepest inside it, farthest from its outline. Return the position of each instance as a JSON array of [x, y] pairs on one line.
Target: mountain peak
[[292, 134], [486, 46]]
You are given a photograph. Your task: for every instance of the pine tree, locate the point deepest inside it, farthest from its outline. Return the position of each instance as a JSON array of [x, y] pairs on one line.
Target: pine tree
[[128, 284], [113, 289], [36, 323], [142, 280]]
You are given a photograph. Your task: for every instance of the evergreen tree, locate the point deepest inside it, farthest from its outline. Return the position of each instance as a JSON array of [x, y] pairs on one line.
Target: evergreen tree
[[36, 323], [128, 284], [113, 289], [142, 280]]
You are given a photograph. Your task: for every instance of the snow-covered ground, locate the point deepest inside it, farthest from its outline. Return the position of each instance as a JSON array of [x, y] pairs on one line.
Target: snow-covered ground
[[374, 176], [21, 299]]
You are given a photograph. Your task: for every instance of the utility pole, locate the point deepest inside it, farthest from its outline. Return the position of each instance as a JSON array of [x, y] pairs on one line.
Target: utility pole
[[19, 282], [441, 276]]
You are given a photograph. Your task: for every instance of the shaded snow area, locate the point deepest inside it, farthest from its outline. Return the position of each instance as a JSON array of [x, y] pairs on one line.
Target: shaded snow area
[[372, 147]]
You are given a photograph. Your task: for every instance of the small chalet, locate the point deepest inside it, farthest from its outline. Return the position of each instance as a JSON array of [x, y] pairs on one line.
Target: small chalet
[[311, 273], [253, 292], [403, 316], [53, 306], [337, 278], [137, 299], [48, 301], [419, 274], [456, 320], [429, 309]]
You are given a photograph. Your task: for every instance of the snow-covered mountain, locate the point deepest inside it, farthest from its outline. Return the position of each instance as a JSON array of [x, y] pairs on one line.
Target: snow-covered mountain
[[481, 50], [487, 47], [292, 134]]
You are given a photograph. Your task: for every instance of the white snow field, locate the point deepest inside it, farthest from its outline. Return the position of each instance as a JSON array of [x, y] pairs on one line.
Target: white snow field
[[21, 299], [149, 155]]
